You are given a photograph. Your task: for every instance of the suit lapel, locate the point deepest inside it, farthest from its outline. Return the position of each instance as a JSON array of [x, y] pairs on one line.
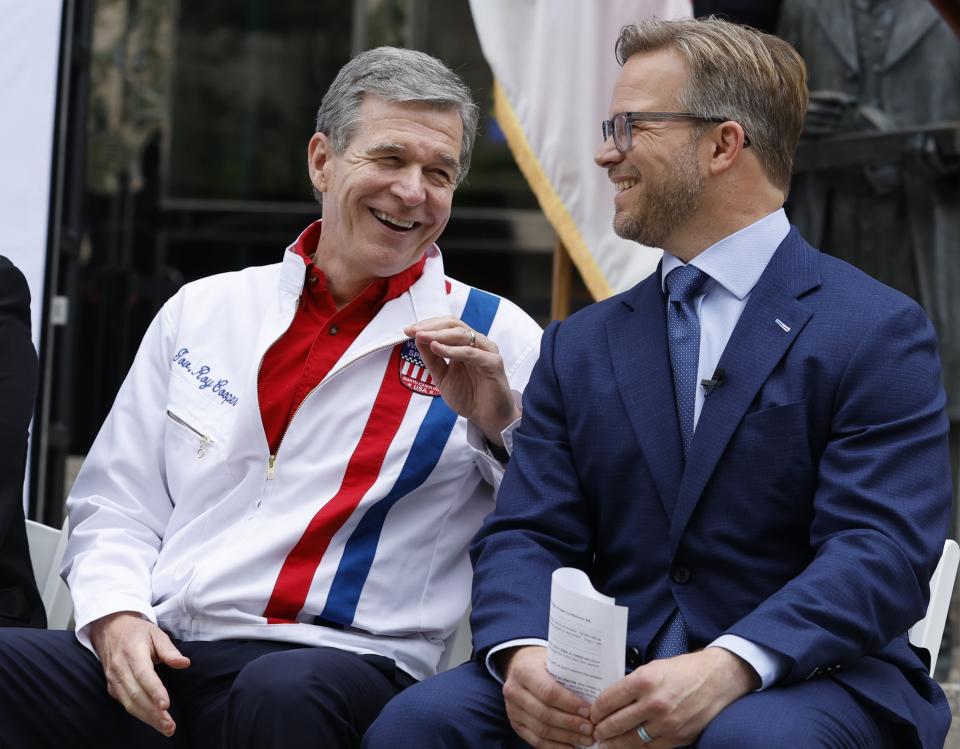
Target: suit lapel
[[908, 28], [837, 22], [641, 367], [757, 344]]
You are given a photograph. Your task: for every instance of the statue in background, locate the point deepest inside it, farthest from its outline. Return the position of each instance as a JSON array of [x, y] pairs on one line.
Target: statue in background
[[878, 172]]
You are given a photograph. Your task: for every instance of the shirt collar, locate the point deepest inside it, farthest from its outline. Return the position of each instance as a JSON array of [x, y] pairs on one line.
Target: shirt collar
[[737, 261], [380, 289]]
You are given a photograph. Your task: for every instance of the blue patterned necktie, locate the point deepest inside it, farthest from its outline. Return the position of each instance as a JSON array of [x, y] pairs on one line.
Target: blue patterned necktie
[[683, 335]]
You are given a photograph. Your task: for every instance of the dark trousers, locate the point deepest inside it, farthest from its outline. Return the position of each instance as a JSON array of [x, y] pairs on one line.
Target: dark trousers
[[463, 709], [236, 694]]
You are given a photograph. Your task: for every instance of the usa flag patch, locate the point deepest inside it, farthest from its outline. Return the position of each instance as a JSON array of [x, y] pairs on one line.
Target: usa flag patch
[[414, 373]]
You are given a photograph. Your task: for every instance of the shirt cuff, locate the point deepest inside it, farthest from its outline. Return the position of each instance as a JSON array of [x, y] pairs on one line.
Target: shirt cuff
[[770, 665], [507, 435], [491, 664]]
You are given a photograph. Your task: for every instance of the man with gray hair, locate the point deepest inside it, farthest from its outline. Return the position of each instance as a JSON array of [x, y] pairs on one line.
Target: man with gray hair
[[747, 450], [268, 537]]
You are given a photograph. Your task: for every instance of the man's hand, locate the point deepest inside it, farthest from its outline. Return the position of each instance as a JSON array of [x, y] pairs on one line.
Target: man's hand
[[541, 711], [129, 646], [673, 699], [470, 377]]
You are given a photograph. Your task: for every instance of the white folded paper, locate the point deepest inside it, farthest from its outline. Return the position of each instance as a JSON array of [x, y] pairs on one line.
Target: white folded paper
[[587, 636]]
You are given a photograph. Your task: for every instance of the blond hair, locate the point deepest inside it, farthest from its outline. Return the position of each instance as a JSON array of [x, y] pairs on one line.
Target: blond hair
[[737, 73]]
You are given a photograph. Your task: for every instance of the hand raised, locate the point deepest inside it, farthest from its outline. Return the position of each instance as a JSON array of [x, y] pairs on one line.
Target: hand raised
[[467, 368], [129, 646]]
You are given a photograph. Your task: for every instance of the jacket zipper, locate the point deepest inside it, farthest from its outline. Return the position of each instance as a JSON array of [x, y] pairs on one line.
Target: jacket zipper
[[272, 460], [204, 439]]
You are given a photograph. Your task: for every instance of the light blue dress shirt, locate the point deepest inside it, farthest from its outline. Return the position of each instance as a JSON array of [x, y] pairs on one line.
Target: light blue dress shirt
[[734, 265]]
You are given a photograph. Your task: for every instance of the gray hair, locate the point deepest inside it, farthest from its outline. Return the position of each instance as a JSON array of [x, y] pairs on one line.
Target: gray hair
[[736, 72], [395, 75]]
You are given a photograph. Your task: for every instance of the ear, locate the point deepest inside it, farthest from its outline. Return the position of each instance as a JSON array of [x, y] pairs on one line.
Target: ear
[[319, 155], [726, 146]]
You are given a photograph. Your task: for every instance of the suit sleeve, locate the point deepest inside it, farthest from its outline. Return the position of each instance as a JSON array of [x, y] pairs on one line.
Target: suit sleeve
[[540, 522], [119, 505], [880, 510], [19, 600]]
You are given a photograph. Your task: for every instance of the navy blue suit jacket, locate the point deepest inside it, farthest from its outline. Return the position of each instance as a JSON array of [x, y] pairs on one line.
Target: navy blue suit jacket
[[20, 604], [812, 507]]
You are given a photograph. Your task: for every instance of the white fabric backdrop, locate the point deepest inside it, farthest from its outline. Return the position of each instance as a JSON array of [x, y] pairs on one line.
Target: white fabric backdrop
[[555, 65], [29, 61]]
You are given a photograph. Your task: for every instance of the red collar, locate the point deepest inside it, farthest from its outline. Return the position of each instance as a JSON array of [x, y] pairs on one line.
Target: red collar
[[380, 290]]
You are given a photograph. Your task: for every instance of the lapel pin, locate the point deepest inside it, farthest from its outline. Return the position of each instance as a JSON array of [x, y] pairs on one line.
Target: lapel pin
[[783, 326]]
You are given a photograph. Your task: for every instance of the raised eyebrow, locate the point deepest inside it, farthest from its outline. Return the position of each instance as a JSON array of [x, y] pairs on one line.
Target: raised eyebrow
[[395, 149], [451, 163], [384, 149]]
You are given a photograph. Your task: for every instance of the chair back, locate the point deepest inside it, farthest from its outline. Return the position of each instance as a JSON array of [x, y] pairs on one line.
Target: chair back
[[47, 546], [928, 632]]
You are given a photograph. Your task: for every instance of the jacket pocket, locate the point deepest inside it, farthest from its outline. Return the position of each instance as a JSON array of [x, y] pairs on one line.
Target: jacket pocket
[[192, 433], [776, 423]]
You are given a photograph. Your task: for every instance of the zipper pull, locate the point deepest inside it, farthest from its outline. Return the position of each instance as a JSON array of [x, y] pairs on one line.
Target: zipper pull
[[271, 462]]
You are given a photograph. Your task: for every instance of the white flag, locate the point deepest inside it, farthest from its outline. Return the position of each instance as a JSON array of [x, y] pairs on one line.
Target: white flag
[[554, 67]]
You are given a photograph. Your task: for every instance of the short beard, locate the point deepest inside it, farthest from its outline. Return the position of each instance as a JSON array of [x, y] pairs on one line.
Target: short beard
[[661, 208]]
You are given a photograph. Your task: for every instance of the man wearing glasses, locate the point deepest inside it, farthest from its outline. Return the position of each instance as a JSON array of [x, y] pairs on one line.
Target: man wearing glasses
[[747, 449]]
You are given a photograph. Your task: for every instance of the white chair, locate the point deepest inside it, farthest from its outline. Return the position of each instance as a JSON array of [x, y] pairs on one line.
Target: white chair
[[928, 632], [46, 553]]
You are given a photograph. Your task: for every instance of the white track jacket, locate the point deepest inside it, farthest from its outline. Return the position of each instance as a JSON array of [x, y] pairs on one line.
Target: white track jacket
[[353, 535]]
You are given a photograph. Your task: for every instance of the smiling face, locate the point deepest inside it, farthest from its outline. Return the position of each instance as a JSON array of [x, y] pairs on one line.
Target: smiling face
[[387, 197], [660, 181]]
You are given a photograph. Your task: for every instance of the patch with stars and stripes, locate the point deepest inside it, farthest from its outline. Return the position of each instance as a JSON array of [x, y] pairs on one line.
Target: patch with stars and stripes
[[414, 373]]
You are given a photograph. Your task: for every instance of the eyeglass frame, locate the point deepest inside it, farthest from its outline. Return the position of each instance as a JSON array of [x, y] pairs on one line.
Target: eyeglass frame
[[608, 127]]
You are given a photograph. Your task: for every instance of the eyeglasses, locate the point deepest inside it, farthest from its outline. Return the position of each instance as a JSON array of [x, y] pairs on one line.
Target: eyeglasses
[[621, 126]]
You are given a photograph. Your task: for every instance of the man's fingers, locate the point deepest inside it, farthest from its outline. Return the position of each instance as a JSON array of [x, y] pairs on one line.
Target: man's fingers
[[549, 723], [434, 362], [530, 736], [620, 694], [166, 652], [473, 356], [128, 647], [553, 694], [460, 336], [146, 696], [143, 697], [534, 733], [528, 668], [537, 701], [433, 323], [624, 722], [630, 740]]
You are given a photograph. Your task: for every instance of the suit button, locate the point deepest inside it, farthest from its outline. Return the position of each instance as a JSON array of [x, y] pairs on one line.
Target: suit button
[[633, 658], [680, 575]]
